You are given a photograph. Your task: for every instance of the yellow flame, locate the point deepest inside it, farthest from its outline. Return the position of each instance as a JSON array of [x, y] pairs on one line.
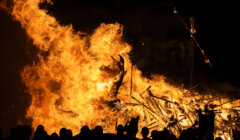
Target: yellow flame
[[72, 85]]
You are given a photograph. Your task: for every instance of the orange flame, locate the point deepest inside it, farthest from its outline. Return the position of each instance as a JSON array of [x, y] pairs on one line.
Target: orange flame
[[74, 84]]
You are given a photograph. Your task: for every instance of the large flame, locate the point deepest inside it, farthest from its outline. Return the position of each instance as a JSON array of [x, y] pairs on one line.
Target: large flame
[[86, 80]]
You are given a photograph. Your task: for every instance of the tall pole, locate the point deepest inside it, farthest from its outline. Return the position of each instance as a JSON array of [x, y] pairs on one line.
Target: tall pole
[[192, 32]]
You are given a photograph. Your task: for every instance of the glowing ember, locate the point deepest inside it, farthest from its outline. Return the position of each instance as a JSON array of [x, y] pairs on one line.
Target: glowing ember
[[85, 80]]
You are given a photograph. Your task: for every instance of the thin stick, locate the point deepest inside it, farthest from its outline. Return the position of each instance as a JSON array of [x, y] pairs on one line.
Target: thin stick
[[192, 65], [155, 118], [144, 113], [189, 118], [235, 106], [131, 80], [187, 115], [151, 123], [220, 102], [146, 89], [162, 99], [143, 104], [133, 104], [153, 127], [157, 105]]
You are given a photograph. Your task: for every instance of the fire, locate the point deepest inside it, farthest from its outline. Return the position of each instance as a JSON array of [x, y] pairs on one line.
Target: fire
[[86, 80]]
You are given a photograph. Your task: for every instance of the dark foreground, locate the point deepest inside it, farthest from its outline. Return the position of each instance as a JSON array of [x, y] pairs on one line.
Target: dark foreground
[[201, 130]]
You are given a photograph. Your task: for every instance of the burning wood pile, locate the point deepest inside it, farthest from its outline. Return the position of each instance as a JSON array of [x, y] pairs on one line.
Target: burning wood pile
[[164, 112]]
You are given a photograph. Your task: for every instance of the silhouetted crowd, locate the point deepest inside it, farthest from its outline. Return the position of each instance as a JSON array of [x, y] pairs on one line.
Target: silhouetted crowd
[[202, 131]]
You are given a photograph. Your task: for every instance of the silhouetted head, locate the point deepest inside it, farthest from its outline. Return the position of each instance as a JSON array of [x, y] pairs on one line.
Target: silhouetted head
[[63, 133], [40, 128], [98, 131], [40, 133], [69, 132], [154, 134], [85, 130], [166, 132], [19, 131], [172, 137], [199, 111], [27, 130], [218, 138], [132, 128], [13, 132], [206, 108], [54, 136], [120, 130], [145, 132], [1, 133]]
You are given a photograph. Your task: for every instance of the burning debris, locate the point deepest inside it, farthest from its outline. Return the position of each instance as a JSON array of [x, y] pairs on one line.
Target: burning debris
[[112, 71], [78, 85]]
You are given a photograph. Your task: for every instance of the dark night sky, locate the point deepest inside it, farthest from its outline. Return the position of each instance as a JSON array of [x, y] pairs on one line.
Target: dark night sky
[[165, 50]]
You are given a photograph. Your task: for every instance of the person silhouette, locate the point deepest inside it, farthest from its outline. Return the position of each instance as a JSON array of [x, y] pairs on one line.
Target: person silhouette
[[172, 137], [132, 128], [40, 133], [84, 134], [120, 132], [27, 132], [97, 133], [145, 132], [1, 136], [63, 134], [69, 134], [218, 138], [54, 136], [154, 135]]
